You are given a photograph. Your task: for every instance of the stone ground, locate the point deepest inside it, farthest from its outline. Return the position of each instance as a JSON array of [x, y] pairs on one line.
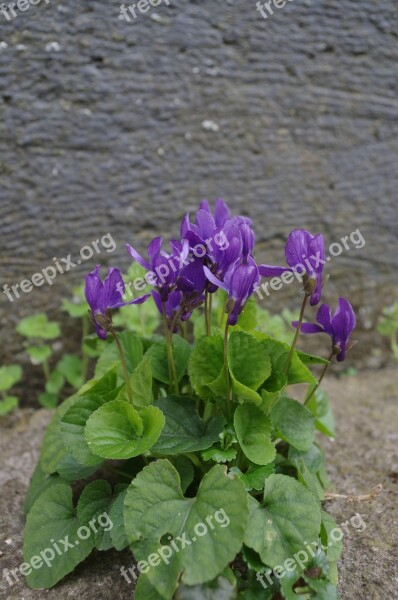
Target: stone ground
[[366, 410]]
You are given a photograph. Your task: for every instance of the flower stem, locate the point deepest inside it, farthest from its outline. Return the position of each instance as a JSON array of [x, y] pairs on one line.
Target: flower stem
[[85, 329], [210, 305], [227, 377], [124, 365], [325, 368], [170, 357], [46, 369], [293, 346], [207, 313]]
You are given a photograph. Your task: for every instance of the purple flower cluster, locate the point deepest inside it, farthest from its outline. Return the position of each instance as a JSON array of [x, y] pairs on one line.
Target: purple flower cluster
[[216, 251]]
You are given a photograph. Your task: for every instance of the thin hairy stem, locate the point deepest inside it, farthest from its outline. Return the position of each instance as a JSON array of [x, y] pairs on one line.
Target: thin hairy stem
[[294, 343], [124, 365]]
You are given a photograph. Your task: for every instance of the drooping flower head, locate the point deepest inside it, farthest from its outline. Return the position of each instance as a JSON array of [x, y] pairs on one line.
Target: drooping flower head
[[163, 268], [339, 326], [224, 238], [205, 224], [304, 253], [104, 296], [177, 277], [240, 280]]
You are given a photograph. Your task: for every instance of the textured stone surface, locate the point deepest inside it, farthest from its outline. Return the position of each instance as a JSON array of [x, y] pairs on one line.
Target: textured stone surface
[[109, 126], [364, 455]]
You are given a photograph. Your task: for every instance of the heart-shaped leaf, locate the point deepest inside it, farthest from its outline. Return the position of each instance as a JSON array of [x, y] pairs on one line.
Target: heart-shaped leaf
[[52, 523], [207, 530], [184, 430], [118, 430], [253, 429], [285, 521], [206, 366], [293, 423], [158, 356]]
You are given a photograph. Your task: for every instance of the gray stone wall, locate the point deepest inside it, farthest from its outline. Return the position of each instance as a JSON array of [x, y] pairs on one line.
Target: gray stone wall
[[110, 126]]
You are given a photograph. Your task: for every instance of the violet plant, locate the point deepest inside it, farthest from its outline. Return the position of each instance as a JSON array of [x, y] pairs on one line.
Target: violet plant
[[191, 443]]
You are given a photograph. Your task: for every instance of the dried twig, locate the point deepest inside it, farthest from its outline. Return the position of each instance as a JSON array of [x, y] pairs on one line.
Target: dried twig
[[371, 495]]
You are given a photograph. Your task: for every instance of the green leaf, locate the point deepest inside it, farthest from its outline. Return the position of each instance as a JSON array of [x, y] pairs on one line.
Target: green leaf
[[255, 476], [156, 510], [249, 363], [184, 430], [253, 429], [95, 500], [313, 458], [219, 455], [9, 376], [144, 590], [332, 547], [72, 429], [293, 423], [38, 326], [158, 356], [76, 308], [323, 588], [110, 358], [71, 470], [70, 366], [48, 400], [324, 421], [141, 385], [287, 582], [52, 518], [118, 430], [39, 354], [248, 318], [185, 470], [310, 480], [92, 345], [143, 319], [311, 359], [278, 352], [272, 390], [257, 591], [218, 589], [8, 404], [104, 386], [53, 449], [54, 383], [39, 482], [287, 518], [116, 514], [206, 365]]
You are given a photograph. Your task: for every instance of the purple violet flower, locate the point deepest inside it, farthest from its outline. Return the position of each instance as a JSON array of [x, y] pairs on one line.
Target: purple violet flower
[[205, 224], [103, 297], [338, 327], [164, 269], [240, 280], [304, 253]]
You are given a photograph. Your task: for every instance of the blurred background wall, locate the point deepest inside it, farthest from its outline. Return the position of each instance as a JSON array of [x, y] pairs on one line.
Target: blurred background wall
[[109, 126]]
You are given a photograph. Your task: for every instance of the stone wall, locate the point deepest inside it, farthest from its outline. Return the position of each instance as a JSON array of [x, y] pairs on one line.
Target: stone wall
[[110, 126]]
